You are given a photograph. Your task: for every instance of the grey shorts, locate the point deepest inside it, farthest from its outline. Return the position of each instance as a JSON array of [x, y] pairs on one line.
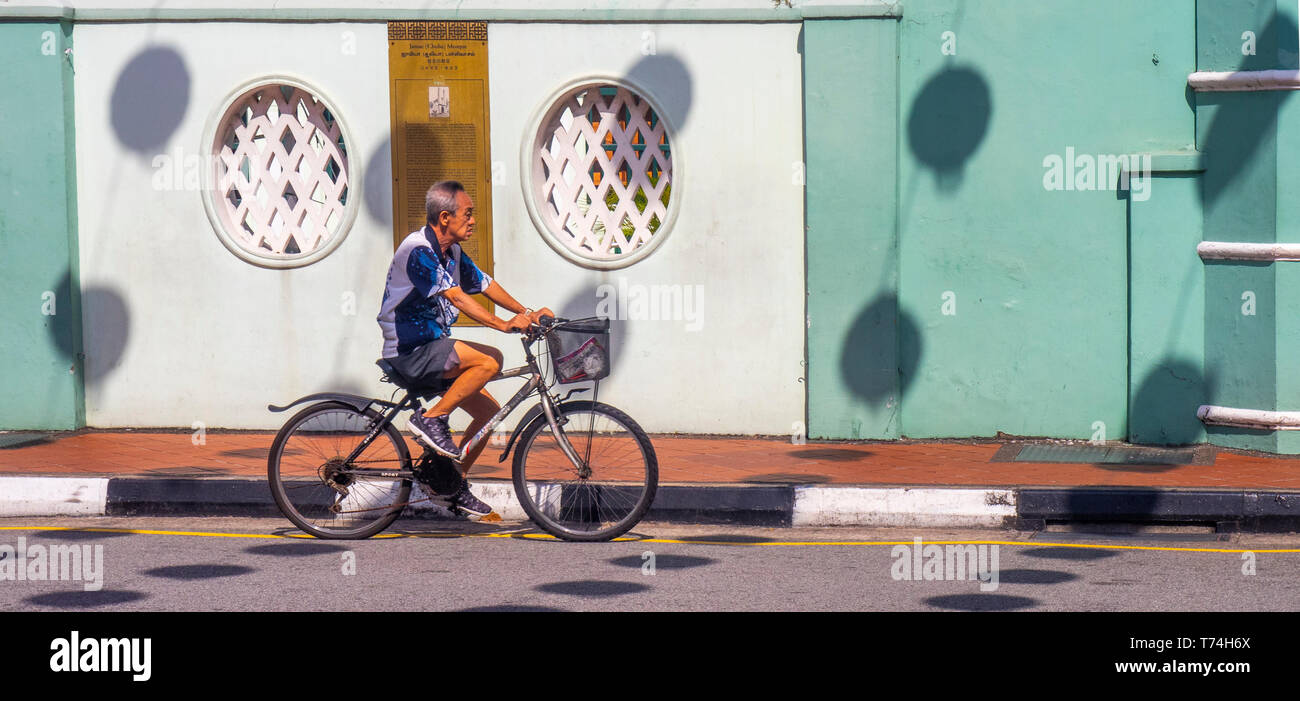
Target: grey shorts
[[424, 366]]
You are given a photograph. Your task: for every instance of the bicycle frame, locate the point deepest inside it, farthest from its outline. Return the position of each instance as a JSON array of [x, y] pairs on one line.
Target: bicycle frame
[[531, 369]]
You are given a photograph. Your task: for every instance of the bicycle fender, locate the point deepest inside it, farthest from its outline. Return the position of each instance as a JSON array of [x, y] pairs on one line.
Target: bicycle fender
[[529, 417], [355, 400]]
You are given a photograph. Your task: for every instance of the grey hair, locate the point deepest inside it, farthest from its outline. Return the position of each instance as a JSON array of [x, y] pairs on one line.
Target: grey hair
[[440, 198]]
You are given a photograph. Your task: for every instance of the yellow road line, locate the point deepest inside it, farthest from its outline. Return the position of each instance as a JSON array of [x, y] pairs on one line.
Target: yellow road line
[[973, 542], [669, 541], [150, 532]]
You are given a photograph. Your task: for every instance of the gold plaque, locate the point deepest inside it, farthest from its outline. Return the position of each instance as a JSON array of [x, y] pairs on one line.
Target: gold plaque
[[438, 87]]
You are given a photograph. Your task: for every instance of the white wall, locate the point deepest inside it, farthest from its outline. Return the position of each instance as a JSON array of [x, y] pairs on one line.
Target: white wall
[[739, 233], [180, 330]]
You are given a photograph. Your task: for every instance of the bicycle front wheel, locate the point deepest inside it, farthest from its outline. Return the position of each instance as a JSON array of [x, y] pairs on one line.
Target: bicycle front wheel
[[320, 490], [607, 494]]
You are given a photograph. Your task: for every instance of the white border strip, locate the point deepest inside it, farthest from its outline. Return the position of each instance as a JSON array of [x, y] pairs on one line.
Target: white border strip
[[1244, 81], [1222, 250], [1249, 418], [53, 496], [921, 508]]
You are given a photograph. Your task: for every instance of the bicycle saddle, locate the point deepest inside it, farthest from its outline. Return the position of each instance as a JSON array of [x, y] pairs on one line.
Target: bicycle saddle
[[391, 374], [425, 391]]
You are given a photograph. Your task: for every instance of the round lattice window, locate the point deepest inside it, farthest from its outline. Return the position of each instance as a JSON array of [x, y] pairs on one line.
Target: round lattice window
[[601, 174], [278, 193]]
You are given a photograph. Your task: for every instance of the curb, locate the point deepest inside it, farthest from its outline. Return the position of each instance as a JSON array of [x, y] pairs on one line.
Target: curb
[[755, 505], [1227, 509], [53, 496]]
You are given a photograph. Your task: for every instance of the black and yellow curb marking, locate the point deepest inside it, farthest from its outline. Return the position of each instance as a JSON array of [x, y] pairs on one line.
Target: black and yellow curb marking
[[666, 541]]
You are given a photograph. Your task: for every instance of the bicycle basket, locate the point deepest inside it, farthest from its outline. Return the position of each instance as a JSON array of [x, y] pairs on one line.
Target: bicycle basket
[[580, 350]]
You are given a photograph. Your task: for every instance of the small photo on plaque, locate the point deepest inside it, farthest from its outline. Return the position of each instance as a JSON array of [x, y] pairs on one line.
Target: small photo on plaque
[[439, 102]]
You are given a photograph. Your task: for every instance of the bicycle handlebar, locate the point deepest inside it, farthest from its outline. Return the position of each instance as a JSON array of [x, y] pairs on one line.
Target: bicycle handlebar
[[534, 331]]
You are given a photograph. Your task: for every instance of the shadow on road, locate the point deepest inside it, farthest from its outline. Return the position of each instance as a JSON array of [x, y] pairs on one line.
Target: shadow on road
[[1069, 553], [980, 602], [192, 572], [667, 562], [85, 599], [1035, 577], [294, 549], [588, 588], [510, 608]]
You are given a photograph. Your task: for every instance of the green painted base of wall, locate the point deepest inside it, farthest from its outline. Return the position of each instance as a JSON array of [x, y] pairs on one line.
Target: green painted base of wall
[[1167, 381], [1242, 438], [852, 257], [40, 305]]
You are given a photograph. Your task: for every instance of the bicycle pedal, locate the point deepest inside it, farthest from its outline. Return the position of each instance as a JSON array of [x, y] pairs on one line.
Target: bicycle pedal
[[435, 498]]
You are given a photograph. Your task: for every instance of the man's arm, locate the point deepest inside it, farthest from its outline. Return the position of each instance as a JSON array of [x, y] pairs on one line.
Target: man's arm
[[498, 294], [475, 311]]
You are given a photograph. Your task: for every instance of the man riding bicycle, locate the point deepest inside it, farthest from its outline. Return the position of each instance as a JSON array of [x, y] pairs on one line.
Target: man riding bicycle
[[429, 284]]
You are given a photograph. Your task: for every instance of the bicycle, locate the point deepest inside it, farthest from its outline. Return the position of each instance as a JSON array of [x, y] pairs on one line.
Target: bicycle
[[582, 470]]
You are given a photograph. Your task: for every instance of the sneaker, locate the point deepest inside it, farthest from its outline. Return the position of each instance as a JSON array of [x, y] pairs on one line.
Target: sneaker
[[470, 504], [434, 433]]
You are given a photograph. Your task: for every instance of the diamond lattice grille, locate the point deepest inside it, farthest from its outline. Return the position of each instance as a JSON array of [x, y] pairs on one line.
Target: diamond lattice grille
[[282, 171], [606, 172]]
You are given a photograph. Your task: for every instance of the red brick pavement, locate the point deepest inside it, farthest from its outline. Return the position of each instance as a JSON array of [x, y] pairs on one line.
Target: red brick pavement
[[681, 459]]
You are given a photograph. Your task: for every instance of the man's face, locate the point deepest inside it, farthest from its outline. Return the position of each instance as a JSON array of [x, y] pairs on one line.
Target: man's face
[[459, 226]]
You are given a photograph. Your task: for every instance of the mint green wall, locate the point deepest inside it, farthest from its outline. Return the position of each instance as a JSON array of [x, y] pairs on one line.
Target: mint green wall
[[1287, 275], [1248, 147], [1166, 313], [39, 368], [1219, 29], [850, 146], [1038, 343]]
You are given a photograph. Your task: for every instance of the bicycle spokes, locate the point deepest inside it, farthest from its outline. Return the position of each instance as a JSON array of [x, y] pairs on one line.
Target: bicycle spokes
[[330, 481], [604, 494]]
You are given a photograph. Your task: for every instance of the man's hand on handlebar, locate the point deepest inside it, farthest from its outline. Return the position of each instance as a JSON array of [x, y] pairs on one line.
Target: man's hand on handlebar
[[523, 323], [537, 315], [518, 324]]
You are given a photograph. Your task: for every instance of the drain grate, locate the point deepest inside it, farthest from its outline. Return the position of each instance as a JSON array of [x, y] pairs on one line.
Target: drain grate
[[15, 440], [1108, 455]]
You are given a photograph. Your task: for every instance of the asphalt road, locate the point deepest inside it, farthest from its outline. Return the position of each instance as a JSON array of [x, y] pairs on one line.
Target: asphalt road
[[261, 564]]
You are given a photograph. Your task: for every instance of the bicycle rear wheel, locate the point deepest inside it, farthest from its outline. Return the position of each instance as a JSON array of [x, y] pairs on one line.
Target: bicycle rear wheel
[[324, 494], [601, 502]]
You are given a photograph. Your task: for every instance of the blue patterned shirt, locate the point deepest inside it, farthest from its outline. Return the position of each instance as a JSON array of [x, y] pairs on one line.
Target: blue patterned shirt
[[415, 311]]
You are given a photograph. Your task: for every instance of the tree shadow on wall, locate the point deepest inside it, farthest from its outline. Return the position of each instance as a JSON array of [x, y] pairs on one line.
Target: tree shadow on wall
[[1242, 122], [377, 187], [666, 77], [107, 323], [1163, 410], [948, 121], [150, 99], [881, 352]]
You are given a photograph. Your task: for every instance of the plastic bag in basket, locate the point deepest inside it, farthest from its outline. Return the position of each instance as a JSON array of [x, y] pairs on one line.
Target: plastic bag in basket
[[587, 361]]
